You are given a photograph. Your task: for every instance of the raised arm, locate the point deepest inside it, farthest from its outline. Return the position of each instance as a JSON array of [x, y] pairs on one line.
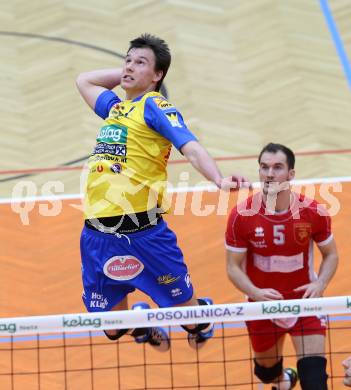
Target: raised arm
[[91, 84], [204, 163]]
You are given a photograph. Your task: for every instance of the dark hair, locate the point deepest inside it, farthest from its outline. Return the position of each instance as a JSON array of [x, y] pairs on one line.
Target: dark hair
[[274, 148], [160, 49]]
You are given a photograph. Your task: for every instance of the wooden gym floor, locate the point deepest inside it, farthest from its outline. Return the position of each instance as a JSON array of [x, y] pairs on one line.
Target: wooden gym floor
[[243, 73], [41, 275]]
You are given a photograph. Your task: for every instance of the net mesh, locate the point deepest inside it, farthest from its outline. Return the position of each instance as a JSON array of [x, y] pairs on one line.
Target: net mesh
[[72, 353]]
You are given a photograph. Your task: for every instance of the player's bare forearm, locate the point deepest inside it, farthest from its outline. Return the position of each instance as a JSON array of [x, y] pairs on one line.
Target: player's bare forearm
[[327, 270], [240, 279], [205, 164], [329, 264], [202, 161], [107, 78], [91, 84]]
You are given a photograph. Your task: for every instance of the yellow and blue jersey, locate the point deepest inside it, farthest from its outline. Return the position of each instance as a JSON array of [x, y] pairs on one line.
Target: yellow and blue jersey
[[127, 169]]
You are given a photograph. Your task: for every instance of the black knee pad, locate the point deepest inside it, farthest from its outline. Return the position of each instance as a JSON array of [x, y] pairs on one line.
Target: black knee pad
[[199, 327], [268, 374], [312, 373], [120, 333]]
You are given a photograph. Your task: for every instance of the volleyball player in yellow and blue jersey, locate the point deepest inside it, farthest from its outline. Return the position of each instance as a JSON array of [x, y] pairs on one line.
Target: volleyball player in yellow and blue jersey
[[125, 243]]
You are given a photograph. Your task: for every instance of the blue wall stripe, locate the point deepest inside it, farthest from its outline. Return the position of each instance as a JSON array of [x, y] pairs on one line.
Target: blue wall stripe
[[337, 39]]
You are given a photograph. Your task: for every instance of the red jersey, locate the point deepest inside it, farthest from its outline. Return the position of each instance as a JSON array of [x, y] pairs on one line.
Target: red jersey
[[279, 247]]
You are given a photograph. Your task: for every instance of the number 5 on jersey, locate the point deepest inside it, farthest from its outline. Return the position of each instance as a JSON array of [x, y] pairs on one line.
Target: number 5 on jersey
[[278, 234]]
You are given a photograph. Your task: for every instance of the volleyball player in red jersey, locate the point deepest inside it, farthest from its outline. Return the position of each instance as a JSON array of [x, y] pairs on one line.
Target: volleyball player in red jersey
[[269, 242]]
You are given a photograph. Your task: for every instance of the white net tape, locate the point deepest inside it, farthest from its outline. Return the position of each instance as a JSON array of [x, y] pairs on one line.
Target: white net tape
[[235, 312]]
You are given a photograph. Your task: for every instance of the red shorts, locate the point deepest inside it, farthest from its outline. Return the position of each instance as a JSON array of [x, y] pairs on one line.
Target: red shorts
[[264, 334]]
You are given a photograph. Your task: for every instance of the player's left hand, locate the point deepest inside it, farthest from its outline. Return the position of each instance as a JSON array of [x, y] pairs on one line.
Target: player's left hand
[[235, 182], [347, 366], [312, 290]]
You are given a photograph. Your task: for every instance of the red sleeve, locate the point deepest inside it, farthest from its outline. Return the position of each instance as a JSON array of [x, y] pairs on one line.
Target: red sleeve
[[235, 234], [321, 227]]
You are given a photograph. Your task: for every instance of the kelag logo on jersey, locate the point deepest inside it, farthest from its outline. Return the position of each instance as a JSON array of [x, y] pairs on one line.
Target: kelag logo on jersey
[[114, 149], [113, 133]]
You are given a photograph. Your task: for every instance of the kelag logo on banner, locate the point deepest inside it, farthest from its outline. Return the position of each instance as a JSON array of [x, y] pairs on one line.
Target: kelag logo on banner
[[10, 327], [281, 308], [80, 322]]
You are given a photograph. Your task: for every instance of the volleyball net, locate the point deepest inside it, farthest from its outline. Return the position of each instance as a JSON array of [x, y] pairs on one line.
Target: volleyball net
[[70, 351]]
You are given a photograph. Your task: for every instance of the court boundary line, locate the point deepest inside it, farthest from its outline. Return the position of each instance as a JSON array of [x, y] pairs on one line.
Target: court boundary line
[[197, 188], [67, 165], [336, 38]]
